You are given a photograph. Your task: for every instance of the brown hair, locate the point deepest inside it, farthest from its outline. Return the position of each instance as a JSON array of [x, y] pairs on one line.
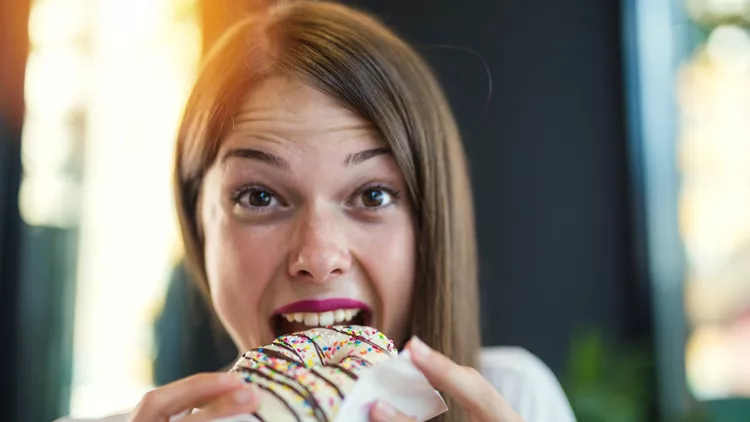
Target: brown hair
[[359, 62]]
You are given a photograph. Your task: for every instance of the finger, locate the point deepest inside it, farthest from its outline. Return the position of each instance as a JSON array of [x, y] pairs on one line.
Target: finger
[[244, 400], [466, 385], [383, 412], [160, 404]]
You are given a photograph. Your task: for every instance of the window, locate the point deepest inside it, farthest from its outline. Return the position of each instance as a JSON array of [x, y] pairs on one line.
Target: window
[[714, 161], [106, 83]]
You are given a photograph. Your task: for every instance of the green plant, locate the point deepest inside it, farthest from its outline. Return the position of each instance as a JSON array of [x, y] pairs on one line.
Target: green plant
[[615, 384], [604, 385]]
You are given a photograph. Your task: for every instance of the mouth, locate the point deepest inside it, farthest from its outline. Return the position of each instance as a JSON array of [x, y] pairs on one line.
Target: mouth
[[303, 315]]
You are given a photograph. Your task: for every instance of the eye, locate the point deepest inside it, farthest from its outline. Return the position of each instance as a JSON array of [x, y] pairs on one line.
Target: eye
[[259, 198], [255, 197], [374, 198], [377, 197]]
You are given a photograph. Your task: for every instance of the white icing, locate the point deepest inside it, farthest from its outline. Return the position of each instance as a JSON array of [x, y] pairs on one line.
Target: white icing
[[293, 373]]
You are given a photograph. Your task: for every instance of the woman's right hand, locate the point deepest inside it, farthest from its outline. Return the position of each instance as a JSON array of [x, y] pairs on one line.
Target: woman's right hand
[[217, 395]]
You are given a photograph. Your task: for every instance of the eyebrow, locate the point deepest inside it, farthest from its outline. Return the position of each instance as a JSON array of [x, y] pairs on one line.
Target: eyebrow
[[254, 154], [359, 157], [276, 161]]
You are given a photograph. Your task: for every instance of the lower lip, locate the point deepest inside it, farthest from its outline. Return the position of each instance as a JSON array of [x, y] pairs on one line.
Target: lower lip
[[321, 306]]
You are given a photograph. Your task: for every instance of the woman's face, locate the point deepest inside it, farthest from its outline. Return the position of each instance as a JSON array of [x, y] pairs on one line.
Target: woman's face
[[306, 220]]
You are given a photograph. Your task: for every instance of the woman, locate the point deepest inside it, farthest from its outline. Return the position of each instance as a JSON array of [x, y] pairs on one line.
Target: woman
[[318, 159]]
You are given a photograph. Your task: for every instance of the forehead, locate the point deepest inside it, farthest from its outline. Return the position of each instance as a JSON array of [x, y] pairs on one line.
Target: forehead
[[285, 111]]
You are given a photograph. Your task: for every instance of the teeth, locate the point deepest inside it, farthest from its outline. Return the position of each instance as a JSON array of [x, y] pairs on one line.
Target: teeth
[[311, 320], [338, 315], [315, 319], [326, 318]]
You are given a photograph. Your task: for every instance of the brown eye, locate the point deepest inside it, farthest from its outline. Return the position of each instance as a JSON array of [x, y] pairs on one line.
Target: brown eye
[[375, 198], [259, 198], [255, 198]]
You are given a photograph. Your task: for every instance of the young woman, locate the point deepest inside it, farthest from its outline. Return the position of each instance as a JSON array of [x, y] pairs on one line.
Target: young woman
[[318, 163]]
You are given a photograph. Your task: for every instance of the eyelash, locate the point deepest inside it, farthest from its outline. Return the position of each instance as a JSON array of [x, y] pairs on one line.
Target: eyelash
[[393, 192], [245, 189]]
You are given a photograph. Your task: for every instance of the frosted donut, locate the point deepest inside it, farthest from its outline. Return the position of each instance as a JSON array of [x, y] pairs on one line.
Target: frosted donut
[[305, 376]]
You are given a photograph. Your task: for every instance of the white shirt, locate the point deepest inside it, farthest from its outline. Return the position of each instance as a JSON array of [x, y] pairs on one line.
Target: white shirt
[[525, 382]]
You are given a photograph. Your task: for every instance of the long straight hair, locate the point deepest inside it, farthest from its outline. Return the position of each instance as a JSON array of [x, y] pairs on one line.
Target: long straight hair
[[357, 61]]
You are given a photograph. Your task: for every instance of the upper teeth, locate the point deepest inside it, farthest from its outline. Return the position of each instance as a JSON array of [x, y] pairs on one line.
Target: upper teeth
[[314, 319]]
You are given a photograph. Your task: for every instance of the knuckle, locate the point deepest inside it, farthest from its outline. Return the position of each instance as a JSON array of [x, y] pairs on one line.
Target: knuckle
[[150, 402], [471, 372]]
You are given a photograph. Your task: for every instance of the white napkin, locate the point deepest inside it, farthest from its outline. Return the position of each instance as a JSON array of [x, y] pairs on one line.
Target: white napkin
[[396, 381]]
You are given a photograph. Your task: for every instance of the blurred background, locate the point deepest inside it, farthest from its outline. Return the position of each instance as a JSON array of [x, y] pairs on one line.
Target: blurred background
[[611, 170]]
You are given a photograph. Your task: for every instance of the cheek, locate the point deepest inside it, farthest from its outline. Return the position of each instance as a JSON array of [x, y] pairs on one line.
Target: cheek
[[240, 263], [389, 258]]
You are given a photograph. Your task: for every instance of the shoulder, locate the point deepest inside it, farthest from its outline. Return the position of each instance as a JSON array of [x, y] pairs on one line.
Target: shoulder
[[526, 383]]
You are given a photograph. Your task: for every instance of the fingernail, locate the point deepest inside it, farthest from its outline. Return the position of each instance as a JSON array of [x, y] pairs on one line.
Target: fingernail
[[233, 378], [385, 410], [418, 347], [245, 394]]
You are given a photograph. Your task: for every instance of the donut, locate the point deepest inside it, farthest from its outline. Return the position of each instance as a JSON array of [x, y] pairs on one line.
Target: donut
[[305, 376]]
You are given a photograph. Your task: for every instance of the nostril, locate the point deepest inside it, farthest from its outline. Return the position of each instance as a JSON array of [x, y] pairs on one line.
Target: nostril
[[309, 275]]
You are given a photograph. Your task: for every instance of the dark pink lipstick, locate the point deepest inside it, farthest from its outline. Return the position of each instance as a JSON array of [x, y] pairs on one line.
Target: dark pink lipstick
[[321, 306]]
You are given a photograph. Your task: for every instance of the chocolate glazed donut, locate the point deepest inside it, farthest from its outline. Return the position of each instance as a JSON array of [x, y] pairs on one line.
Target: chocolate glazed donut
[[305, 376]]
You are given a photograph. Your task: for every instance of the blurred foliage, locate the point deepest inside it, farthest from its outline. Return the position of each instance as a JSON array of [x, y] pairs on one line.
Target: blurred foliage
[[609, 384], [606, 386]]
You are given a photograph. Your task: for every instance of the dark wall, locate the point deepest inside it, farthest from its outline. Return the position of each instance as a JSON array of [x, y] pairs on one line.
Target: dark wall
[[548, 160], [10, 165], [13, 51]]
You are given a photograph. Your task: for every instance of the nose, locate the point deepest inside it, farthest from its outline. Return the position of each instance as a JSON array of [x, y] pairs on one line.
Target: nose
[[320, 252]]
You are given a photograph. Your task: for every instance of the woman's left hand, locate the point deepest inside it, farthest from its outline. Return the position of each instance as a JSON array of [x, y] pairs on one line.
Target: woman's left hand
[[466, 385]]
